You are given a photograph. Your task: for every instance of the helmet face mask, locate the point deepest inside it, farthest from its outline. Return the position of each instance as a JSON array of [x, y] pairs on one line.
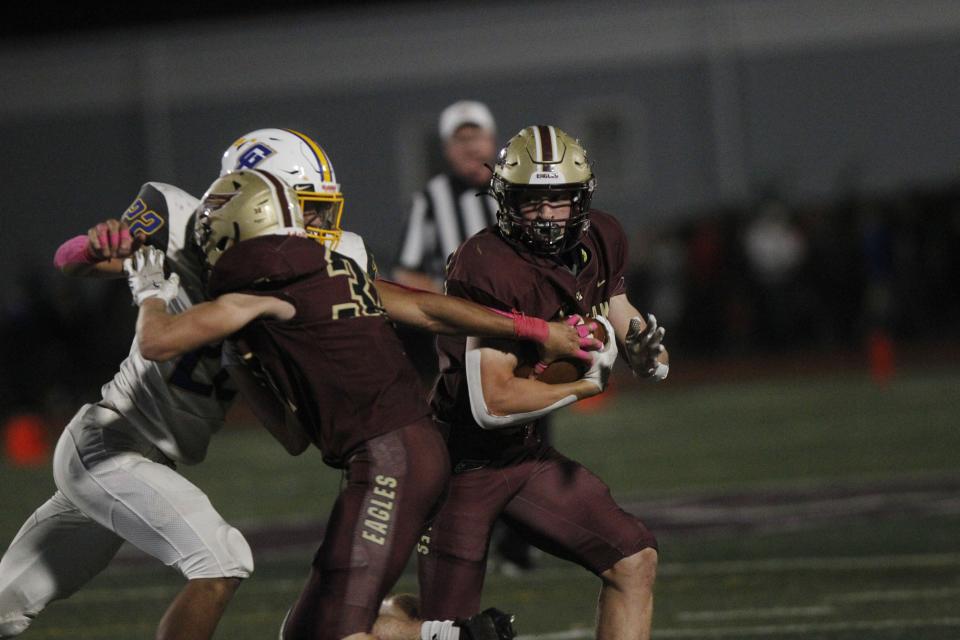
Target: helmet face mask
[[322, 215], [303, 165], [242, 205], [543, 168]]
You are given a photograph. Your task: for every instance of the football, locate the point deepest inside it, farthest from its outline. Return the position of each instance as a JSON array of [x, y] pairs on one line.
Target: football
[[565, 369]]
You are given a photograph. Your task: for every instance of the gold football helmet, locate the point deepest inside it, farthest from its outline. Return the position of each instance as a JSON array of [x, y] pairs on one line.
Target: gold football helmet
[[243, 205], [300, 162], [543, 163]]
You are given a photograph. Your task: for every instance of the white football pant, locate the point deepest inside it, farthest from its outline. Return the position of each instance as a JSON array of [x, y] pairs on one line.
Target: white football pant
[[113, 486]]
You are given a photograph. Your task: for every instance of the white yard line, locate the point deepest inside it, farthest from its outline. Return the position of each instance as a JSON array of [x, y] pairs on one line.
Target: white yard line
[[894, 595], [845, 563], [757, 613]]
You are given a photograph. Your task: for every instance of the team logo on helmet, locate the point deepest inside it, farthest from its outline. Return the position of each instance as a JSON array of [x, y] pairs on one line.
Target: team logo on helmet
[[216, 201], [254, 156]]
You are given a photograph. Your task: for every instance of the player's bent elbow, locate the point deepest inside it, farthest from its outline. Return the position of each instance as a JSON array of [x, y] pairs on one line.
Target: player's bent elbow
[[155, 349], [488, 410], [497, 397]]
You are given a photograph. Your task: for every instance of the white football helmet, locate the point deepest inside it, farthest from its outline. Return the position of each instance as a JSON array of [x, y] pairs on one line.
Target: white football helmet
[[303, 165]]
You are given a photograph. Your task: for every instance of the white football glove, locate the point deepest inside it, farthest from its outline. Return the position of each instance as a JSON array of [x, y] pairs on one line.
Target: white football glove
[[643, 347], [599, 371], [145, 276]]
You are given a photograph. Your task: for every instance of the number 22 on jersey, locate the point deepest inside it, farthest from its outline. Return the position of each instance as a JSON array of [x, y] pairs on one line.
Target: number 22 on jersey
[[142, 219]]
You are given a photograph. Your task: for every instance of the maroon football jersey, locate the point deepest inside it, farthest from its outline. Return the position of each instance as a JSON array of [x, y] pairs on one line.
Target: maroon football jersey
[[492, 271], [338, 362]]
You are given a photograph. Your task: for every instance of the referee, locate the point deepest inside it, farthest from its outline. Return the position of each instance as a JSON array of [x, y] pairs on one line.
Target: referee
[[448, 211], [444, 214]]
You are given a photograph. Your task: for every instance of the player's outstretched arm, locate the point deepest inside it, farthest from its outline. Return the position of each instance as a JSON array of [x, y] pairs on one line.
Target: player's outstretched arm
[[457, 316], [641, 337], [99, 253], [162, 335]]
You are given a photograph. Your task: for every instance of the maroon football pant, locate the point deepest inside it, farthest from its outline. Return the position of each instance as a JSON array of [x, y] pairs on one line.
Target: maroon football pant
[[393, 485], [556, 503]]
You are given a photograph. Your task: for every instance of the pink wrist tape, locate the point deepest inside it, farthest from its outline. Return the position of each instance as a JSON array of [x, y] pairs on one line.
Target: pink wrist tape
[[73, 251], [525, 327], [530, 328]]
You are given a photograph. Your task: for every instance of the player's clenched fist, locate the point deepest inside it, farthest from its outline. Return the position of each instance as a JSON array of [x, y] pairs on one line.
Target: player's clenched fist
[[145, 276], [111, 239]]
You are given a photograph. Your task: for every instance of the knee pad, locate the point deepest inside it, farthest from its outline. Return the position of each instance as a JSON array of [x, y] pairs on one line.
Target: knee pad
[[226, 554], [237, 548]]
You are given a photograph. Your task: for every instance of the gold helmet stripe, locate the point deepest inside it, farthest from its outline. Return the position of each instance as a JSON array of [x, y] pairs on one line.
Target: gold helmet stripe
[[321, 156], [279, 189]]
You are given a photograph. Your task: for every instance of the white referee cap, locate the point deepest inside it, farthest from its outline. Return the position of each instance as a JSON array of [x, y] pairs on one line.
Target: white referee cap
[[465, 112]]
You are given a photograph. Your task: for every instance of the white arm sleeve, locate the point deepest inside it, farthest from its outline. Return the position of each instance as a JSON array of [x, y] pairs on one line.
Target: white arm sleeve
[[478, 406]]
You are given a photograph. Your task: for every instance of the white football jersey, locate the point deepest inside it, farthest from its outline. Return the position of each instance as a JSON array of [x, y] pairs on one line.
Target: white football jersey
[[176, 405], [179, 404]]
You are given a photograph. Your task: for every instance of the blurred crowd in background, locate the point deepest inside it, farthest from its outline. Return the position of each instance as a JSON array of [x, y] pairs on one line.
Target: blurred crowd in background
[[776, 276], [769, 277]]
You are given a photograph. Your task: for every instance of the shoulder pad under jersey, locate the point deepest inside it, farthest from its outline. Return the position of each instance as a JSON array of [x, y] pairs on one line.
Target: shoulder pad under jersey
[[352, 246]]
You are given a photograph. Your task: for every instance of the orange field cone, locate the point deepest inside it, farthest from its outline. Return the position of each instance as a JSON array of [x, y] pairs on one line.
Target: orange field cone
[[25, 441], [880, 353]]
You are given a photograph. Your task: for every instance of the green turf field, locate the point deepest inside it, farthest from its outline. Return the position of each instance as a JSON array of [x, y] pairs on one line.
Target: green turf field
[[854, 566]]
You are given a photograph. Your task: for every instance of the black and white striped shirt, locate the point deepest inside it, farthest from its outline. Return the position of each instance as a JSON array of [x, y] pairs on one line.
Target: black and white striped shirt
[[443, 215]]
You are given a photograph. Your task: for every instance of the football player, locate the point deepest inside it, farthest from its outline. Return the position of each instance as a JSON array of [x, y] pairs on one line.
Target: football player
[[550, 256], [312, 329], [115, 462]]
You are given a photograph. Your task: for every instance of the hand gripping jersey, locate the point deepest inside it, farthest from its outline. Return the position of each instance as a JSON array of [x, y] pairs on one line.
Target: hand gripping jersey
[[338, 363], [492, 271]]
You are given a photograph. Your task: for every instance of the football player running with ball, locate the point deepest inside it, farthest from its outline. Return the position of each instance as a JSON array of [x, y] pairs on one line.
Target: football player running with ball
[[115, 463], [550, 256]]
